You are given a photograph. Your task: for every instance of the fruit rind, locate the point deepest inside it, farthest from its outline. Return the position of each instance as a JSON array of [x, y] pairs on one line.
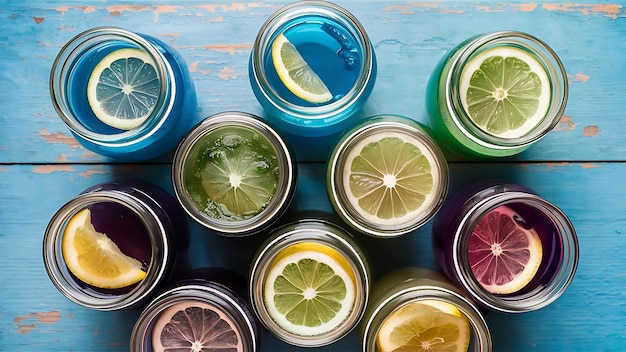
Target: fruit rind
[[322, 96], [80, 225]]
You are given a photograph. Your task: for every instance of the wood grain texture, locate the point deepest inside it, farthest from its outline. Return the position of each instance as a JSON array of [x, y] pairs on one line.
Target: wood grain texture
[[579, 166], [215, 39], [34, 314]]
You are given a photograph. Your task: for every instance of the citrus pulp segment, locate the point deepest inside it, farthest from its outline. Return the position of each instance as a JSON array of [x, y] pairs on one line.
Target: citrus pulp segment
[[123, 88], [426, 325], [233, 173], [504, 252], [194, 326], [93, 258], [505, 91], [310, 289], [296, 74], [390, 178]]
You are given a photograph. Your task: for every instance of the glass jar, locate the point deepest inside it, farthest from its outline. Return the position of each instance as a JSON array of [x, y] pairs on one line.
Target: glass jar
[[373, 158], [448, 110], [234, 174], [405, 286], [334, 47], [343, 270], [549, 245], [217, 297], [140, 219], [167, 102]]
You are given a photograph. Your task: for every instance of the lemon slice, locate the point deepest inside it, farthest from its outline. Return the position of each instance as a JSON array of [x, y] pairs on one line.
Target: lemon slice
[[296, 74], [391, 178], [123, 88], [309, 289], [505, 91], [94, 259], [425, 326], [504, 252]]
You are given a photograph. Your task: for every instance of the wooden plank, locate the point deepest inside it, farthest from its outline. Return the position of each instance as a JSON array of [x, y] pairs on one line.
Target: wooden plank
[[215, 39], [588, 316]]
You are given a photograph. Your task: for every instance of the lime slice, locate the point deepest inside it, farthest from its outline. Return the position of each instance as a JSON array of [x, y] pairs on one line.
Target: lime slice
[[504, 252], [194, 326], [309, 289], [123, 88], [505, 91], [94, 259], [428, 326], [232, 173], [391, 178], [296, 74]]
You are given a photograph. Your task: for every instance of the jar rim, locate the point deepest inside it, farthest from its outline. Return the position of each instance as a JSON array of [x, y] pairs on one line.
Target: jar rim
[[210, 293], [330, 112], [309, 230], [372, 126], [59, 274], [541, 51], [516, 303], [285, 189], [387, 306], [74, 50]]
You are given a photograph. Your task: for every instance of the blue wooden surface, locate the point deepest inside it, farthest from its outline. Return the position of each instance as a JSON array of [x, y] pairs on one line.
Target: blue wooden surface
[[580, 166]]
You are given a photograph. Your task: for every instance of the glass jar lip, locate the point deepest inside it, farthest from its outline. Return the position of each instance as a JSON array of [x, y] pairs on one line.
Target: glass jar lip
[[372, 126], [285, 188], [59, 273], [330, 112], [210, 293], [543, 53], [316, 231], [383, 308], [73, 51], [512, 303]]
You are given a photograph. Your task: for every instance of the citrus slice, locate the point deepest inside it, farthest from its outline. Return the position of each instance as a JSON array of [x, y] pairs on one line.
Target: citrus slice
[[309, 289], [504, 252], [240, 174], [505, 91], [391, 179], [296, 74], [194, 326], [428, 326], [94, 259], [123, 88]]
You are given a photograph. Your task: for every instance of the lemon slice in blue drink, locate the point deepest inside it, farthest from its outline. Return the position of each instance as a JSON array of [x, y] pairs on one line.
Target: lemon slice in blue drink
[[123, 88], [296, 74], [505, 91]]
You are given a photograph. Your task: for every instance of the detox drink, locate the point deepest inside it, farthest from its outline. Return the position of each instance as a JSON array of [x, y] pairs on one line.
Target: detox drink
[[312, 67], [207, 309], [417, 309], [114, 244], [309, 283], [386, 176], [234, 174], [512, 250], [496, 94], [121, 94]]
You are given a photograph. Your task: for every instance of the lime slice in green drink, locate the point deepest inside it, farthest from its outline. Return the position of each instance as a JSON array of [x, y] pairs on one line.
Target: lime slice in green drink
[[309, 289], [505, 91], [296, 74], [232, 173], [391, 178], [123, 88]]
